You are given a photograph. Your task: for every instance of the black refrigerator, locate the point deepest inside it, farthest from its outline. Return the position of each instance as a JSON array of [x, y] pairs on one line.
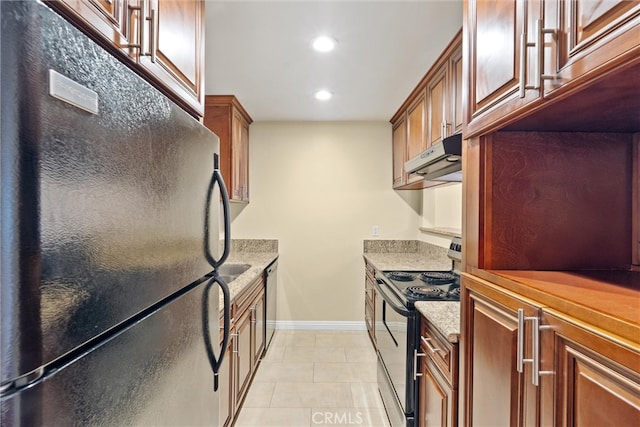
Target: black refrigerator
[[114, 222]]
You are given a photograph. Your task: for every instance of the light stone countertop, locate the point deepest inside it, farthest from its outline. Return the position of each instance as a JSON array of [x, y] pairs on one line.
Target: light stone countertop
[[444, 316], [406, 261], [259, 260]]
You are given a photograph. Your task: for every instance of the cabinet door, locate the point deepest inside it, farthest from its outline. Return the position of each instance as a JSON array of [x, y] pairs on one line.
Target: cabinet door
[[455, 117], [495, 393], [437, 398], [399, 141], [244, 356], [591, 379], [495, 71], [239, 158], [438, 125], [226, 383], [258, 326], [593, 36], [416, 135], [173, 49]]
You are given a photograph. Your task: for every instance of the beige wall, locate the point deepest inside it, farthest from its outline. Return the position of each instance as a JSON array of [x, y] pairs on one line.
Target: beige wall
[[441, 208], [319, 187]]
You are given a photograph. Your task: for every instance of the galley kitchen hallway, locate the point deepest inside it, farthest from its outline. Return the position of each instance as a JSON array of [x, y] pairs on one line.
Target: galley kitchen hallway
[[315, 378]]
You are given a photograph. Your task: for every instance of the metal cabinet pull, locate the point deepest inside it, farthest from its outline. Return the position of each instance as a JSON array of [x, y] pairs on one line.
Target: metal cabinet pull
[[427, 342], [140, 10], [535, 347], [235, 342], [416, 374], [153, 28], [539, 45]]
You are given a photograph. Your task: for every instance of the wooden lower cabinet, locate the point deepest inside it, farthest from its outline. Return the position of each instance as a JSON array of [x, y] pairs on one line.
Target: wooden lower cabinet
[[591, 379], [226, 383], [246, 346], [438, 380], [587, 377], [370, 302]]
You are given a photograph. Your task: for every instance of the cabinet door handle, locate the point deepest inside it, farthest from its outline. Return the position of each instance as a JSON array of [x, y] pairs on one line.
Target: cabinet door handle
[[140, 18], [153, 28], [535, 347], [536, 372], [235, 342], [416, 374], [539, 45], [427, 342]]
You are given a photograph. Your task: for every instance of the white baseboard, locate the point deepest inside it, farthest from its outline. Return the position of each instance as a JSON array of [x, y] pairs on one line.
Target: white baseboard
[[303, 325]]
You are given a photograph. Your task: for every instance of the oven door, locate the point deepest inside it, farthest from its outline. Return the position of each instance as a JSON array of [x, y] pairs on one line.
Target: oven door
[[394, 323]]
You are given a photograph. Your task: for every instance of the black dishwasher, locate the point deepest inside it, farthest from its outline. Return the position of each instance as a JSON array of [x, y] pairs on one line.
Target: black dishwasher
[[271, 280]]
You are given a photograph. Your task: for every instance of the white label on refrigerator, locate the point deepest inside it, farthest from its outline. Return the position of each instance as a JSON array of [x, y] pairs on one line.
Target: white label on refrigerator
[[73, 93]]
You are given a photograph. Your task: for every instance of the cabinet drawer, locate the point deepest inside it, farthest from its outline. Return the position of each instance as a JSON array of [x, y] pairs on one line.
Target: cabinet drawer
[[440, 351], [246, 298]]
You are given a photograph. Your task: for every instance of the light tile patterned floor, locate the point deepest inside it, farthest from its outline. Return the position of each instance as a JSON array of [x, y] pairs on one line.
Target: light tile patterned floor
[[315, 378]]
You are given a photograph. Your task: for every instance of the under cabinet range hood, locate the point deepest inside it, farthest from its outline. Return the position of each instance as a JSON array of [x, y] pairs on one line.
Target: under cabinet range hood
[[440, 162]]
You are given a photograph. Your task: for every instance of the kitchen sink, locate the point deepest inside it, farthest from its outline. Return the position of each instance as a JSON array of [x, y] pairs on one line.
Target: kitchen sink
[[229, 272]]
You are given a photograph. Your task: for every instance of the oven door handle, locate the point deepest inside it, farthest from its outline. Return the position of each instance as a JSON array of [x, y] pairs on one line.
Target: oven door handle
[[392, 301]]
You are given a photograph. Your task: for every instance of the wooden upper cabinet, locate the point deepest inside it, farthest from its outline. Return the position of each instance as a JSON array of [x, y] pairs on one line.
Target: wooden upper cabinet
[[525, 54], [456, 79], [432, 110], [399, 143], [438, 120], [225, 116], [416, 137], [498, 62], [588, 38], [173, 51], [163, 40]]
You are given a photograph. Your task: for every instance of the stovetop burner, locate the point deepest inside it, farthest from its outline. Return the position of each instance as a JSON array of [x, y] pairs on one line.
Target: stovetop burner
[[425, 285], [425, 291], [438, 277], [401, 276]]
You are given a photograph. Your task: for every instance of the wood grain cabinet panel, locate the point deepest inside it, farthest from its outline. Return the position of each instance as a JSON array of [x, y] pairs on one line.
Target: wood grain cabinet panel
[[590, 378], [438, 379], [495, 393], [497, 63], [174, 51], [587, 39], [399, 143], [438, 120], [227, 118]]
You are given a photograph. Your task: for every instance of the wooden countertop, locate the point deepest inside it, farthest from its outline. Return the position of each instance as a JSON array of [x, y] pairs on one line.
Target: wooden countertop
[[609, 300]]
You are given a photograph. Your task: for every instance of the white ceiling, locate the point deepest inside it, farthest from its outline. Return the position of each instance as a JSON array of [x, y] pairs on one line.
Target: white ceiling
[[261, 52]]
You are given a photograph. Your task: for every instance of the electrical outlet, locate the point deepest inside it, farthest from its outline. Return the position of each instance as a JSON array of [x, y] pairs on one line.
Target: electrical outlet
[[375, 231]]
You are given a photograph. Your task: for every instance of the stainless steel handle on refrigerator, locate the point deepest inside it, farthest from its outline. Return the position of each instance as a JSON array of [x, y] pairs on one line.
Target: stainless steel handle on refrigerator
[[416, 374]]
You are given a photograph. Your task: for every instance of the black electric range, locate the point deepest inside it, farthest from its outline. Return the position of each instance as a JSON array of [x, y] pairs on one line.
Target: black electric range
[[412, 286]]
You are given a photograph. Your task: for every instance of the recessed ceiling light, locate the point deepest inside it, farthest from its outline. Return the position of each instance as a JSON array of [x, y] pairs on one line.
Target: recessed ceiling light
[[323, 95], [324, 43]]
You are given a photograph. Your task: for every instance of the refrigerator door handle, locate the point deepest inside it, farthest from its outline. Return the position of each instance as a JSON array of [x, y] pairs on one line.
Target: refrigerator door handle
[[216, 178], [215, 362]]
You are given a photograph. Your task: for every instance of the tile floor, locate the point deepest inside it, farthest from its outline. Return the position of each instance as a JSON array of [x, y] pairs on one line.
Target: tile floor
[[315, 378]]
